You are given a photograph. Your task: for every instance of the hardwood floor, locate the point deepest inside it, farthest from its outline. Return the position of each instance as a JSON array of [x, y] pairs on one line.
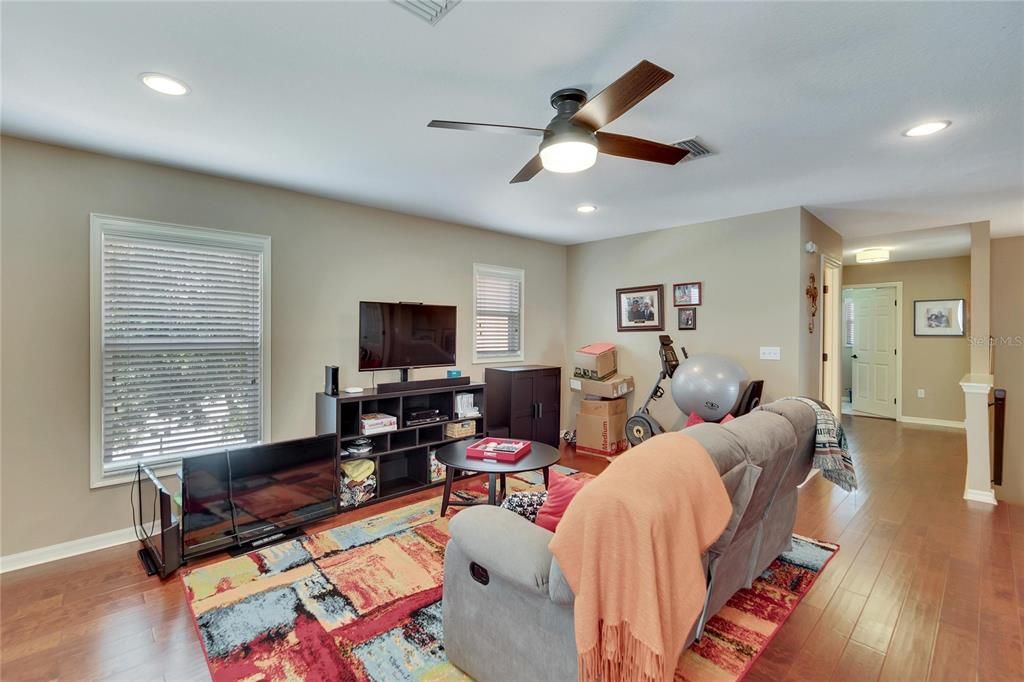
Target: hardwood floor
[[926, 586]]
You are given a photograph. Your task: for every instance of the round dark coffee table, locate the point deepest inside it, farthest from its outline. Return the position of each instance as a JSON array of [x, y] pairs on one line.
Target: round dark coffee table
[[453, 456]]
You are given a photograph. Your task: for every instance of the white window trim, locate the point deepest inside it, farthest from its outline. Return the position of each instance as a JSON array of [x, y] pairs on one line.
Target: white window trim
[[100, 225], [482, 268]]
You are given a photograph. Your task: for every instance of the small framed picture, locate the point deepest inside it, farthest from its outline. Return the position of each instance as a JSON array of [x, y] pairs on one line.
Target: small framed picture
[[940, 317], [687, 293], [688, 318], [640, 308]]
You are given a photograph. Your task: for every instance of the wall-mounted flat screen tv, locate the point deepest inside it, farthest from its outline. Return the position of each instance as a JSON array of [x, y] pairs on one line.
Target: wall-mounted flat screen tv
[[405, 335]]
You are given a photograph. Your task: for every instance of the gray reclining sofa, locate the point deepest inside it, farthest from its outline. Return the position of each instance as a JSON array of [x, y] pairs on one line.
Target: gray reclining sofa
[[508, 611]]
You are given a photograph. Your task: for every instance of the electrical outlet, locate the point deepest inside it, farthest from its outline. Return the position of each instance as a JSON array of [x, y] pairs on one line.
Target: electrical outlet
[[771, 353], [920, 393]]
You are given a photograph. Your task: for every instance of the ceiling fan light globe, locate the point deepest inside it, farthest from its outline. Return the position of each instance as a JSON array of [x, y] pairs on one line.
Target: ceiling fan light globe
[[571, 156]]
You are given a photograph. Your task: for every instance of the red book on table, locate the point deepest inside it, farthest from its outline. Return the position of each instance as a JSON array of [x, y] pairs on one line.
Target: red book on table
[[484, 449]]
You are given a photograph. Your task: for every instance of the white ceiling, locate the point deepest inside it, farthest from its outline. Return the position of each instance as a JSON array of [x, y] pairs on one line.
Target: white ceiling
[[936, 242], [804, 103]]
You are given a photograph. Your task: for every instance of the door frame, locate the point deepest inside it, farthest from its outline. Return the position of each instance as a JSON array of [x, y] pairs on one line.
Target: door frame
[[899, 336], [831, 342]]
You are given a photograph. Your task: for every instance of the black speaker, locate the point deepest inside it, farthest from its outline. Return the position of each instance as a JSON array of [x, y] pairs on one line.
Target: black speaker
[[331, 379]]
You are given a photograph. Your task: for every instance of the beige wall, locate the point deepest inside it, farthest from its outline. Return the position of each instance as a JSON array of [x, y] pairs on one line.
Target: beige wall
[[830, 244], [749, 267], [327, 255], [979, 325], [1007, 328], [935, 364]]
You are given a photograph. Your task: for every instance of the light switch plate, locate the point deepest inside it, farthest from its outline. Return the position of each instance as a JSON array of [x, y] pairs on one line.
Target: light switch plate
[[771, 353], [920, 393]]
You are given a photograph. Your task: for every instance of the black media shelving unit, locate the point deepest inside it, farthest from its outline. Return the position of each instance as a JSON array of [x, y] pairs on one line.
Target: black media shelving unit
[[402, 457]]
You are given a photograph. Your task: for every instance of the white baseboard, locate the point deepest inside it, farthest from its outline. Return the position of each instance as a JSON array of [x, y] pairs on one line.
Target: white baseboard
[[63, 550], [986, 496], [927, 421]]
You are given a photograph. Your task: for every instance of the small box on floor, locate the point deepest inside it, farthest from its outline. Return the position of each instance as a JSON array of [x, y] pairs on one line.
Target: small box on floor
[[614, 386], [437, 470], [596, 361], [601, 427], [377, 422]]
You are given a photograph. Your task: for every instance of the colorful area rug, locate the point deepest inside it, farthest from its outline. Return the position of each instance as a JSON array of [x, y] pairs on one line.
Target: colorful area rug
[[363, 602]]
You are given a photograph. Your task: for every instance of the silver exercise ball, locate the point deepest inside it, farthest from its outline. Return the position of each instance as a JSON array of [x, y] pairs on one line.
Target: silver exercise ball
[[709, 385]]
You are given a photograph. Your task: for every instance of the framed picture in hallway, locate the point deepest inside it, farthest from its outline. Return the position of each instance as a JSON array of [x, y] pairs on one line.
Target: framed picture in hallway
[[640, 308], [939, 317]]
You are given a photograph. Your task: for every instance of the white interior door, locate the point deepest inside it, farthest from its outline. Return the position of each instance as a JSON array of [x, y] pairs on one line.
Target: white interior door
[[874, 351]]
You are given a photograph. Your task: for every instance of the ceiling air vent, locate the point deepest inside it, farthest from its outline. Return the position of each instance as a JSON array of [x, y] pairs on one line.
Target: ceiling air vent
[[430, 11], [697, 149]]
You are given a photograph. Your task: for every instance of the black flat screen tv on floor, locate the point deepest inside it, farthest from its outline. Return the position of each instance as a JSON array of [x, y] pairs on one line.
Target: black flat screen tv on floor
[[237, 496], [405, 335]]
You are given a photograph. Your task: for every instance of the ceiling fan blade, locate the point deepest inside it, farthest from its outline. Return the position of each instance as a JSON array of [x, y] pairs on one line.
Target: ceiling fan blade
[[532, 167], [637, 148], [487, 128], [622, 95]]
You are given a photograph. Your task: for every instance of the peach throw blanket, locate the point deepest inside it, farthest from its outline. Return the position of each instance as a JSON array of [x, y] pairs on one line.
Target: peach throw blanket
[[630, 547]]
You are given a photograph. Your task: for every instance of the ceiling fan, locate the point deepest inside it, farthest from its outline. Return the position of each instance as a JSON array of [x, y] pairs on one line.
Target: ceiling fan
[[573, 138]]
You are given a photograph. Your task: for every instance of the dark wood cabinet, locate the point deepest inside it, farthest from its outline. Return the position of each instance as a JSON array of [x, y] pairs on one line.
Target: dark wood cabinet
[[524, 402]]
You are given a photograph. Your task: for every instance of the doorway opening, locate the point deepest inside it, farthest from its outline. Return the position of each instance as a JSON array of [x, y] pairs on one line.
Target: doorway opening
[[872, 349]]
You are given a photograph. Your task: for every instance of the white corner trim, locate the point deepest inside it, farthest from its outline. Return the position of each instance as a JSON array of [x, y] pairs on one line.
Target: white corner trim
[[63, 550], [985, 496], [928, 421], [977, 383]]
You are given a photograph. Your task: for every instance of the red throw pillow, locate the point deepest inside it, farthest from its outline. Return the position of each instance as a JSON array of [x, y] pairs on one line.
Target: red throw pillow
[[726, 419], [693, 420], [561, 490]]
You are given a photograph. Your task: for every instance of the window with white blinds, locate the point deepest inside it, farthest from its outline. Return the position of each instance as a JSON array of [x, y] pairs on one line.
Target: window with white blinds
[[182, 322], [497, 313], [848, 321]]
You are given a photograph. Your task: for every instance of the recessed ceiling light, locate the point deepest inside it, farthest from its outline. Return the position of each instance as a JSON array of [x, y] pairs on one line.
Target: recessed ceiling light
[[872, 255], [586, 208], [928, 128], [164, 84]]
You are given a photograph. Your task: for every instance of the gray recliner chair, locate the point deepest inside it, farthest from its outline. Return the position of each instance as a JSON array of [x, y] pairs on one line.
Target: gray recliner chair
[[509, 610]]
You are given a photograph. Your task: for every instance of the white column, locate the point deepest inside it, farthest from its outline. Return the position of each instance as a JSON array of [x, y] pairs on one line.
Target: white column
[[978, 486]]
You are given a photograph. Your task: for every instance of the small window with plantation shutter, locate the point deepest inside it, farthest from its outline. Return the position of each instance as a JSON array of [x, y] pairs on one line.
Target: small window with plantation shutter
[[179, 346], [848, 322], [497, 313]]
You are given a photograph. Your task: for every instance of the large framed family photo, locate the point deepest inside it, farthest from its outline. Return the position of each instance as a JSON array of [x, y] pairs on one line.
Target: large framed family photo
[[940, 317], [640, 308]]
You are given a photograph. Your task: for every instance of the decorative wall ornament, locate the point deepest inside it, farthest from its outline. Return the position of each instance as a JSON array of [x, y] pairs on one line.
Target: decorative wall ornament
[[812, 298]]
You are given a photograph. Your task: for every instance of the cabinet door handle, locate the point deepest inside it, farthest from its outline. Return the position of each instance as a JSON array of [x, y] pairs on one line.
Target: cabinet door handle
[[540, 410]]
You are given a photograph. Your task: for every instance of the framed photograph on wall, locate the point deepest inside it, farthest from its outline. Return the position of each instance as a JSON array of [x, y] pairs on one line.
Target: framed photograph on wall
[[688, 318], [640, 308], [686, 294], [939, 317]]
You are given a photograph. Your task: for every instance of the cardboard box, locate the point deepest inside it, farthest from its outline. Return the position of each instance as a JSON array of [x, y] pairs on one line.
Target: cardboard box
[[602, 408], [614, 386], [596, 361], [601, 427]]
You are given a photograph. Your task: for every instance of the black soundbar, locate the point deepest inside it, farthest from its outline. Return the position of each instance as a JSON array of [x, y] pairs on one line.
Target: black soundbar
[[396, 386]]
